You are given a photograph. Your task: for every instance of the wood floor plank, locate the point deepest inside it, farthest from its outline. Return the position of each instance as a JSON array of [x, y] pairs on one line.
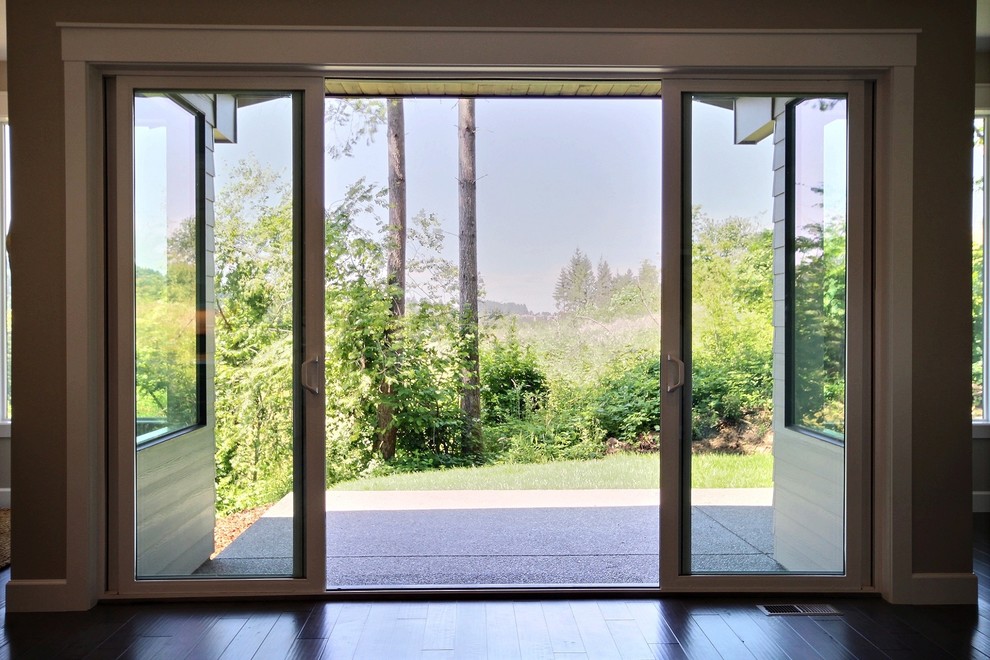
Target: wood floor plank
[[791, 643], [306, 648], [850, 639], [668, 651], [377, 636], [250, 637], [501, 633], [415, 610], [181, 643], [534, 638], [629, 640], [470, 631], [216, 640], [722, 637], [651, 624], [820, 640], [321, 621], [564, 634], [440, 621], [407, 639], [952, 635], [881, 637], [689, 635], [285, 630], [145, 647], [614, 609], [757, 640], [595, 635], [346, 633]]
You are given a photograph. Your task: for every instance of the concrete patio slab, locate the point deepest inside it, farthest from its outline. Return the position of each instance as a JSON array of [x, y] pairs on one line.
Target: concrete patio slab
[[394, 538]]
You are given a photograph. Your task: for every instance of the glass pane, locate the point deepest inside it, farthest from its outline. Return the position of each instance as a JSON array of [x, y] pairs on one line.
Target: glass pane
[[166, 231], [763, 496], [979, 267], [215, 222], [818, 260]]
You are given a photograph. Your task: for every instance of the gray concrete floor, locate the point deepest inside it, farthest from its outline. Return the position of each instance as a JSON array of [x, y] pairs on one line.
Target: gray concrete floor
[[535, 539]]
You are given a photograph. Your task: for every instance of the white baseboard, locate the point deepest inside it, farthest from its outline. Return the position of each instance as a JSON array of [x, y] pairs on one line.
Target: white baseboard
[[4, 498], [44, 596], [981, 501], [942, 589]]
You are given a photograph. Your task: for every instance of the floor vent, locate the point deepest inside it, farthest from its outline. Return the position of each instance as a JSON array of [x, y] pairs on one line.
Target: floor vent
[[799, 610]]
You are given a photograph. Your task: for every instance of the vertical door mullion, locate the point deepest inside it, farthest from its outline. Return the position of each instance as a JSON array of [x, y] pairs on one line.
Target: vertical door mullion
[[674, 180], [312, 451], [120, 328]]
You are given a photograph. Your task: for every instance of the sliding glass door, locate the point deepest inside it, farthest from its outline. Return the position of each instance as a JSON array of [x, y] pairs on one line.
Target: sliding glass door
[[766, 302], [225, 262], [216, 252]]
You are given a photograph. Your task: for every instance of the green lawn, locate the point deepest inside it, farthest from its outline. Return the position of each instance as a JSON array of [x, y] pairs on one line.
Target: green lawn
[[618, 471]]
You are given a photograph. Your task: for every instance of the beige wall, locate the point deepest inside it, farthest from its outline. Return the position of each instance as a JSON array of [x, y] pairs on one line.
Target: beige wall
[[939, 306]]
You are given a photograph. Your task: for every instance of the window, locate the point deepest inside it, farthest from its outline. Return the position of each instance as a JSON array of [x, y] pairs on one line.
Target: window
[[816, 265], [167, 244]]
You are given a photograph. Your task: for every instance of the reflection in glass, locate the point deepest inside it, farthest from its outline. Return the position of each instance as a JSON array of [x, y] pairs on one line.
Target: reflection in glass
[[165, 250], [818, 259], [978, 267]]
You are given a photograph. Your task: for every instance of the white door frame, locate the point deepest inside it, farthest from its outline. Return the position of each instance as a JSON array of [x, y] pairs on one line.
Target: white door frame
[[676, 416], [309, 444], [90, 51]]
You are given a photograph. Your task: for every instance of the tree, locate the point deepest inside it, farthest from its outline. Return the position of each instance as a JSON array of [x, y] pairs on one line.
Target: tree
[[396, 264], [604, 284], [575, 284], [468, 234]]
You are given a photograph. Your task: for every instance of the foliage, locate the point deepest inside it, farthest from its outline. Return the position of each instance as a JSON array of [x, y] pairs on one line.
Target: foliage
[[421, 361], [554, 388], [512, 383], [732, 330], [978, 312], [254, 339], [597, 292], [819, 304], [575, 284], [166, 334], [627, 403]]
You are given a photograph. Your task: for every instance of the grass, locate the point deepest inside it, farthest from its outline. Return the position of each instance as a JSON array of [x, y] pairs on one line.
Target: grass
[[618, 471], [717, 470]]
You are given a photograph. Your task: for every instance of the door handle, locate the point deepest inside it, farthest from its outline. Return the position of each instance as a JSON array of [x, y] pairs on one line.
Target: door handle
[[680, 373], [306, 383]]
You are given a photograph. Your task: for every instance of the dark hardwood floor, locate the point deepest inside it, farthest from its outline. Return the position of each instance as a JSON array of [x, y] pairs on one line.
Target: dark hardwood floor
[[562, 629]]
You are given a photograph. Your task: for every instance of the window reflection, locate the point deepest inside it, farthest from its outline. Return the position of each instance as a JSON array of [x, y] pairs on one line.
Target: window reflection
[[165, 250], [818, 262]]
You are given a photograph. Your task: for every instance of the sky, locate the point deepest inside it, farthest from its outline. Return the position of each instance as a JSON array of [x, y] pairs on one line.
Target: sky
[[554, 175]]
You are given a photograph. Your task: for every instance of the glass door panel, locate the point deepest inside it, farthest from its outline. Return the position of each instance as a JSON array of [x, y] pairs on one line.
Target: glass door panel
[[765, 332], [217, 334]]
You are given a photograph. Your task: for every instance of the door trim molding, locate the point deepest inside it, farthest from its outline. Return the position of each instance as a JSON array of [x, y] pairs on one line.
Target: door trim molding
[[89, 50]]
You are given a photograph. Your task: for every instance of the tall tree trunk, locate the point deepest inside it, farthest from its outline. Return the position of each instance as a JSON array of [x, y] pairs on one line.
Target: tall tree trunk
[[468, 235], [396, 268]]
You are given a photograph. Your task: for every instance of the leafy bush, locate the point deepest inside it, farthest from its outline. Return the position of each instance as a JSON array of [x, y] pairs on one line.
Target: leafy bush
[[512, 383], [627, 402]]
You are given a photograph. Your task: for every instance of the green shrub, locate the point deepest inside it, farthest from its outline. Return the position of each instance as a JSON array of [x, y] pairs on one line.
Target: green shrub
[[728, 387], [627, 401], [512, 383]]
